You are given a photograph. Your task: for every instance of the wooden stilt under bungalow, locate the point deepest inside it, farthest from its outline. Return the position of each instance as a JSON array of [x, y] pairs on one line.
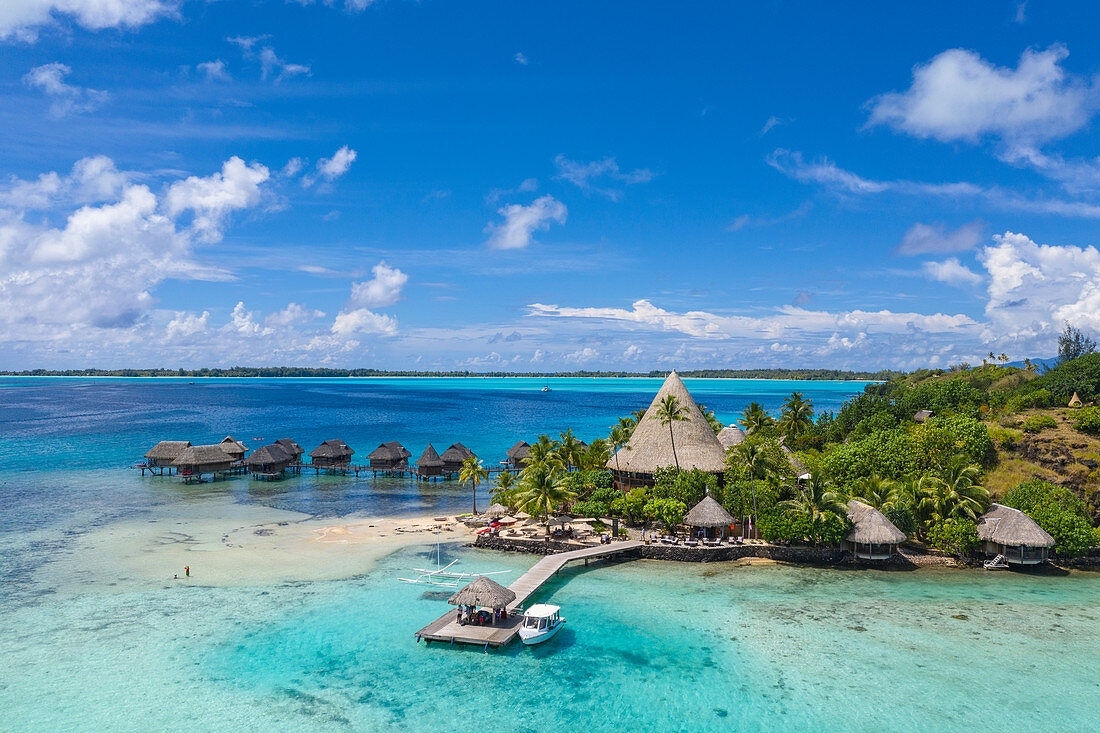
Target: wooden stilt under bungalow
[[161, 455], [708, 515], [332, 454], [268, 461], [1009, 532], [873, 536], [430, 465], [651, 447], [454, 456], [196, 460], [391, 456]]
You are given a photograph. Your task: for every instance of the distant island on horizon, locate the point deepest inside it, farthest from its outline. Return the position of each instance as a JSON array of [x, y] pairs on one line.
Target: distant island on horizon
[[792, 374]]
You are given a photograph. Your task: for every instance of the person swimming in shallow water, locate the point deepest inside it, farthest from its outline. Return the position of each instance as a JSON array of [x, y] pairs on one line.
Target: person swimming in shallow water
[[187, 570]]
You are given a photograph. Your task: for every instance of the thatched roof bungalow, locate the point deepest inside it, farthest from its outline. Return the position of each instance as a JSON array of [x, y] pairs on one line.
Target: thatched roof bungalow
[[1075, 400], [454, 456], [196, 460], [922, 416], [651, 447], [296, 451], [483, 593], [235, 448], [389, 457], [166, 451], [332, 453], [268, 461], [731, 436], [429, 463], [873, 536], [710, 516], [1009, 532], [517, 454]]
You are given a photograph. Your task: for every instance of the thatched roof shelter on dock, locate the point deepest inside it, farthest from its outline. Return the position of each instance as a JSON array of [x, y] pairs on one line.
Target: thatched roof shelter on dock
[[196, 460], [517, 454], [429, 463], [1009, 532], [268, 460], [454, 456], [332, 453], [166, 451], [235, 448], [389, 456], [691, 444], [873, 536], [483, 593], [296, 451]]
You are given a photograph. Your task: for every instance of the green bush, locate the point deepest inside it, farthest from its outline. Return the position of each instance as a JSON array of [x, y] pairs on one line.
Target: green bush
[[667, 511], [1057, 510], [630, 507], [890, 454], [957, 537], [1038, 423], [901, 516], [1088, 420], [1004, 439]]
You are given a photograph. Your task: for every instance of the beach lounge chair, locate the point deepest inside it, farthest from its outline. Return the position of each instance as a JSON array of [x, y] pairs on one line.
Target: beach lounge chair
[[691, 543]]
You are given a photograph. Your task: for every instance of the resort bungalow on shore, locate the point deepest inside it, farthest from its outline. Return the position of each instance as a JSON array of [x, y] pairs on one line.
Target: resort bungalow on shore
[[196, 460], [296, 452], [650, 446], [430, 464], [268, 461], [873, 536], [731, 436], [709, 516], [454, 456], [391, 456], [332, 454], [163, 453], [1009, 532], [235, 448], [517, 454]]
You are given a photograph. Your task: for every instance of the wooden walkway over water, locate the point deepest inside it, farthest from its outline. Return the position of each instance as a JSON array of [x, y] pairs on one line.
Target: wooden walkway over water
[[446, 627]]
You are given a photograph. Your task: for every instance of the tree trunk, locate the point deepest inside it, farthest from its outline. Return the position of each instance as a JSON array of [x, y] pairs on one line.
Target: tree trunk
[[672, 439]]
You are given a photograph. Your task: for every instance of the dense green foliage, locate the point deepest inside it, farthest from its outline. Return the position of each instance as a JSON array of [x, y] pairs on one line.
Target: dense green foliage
[[1038, 423], [1087, 420], [1057, 510], [954, 536]]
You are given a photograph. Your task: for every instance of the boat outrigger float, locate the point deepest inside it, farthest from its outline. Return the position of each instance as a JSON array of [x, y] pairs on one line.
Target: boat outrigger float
[[443, 575]]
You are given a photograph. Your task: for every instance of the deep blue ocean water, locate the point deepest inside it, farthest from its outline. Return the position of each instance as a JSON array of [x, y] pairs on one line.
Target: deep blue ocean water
[[93, 637]]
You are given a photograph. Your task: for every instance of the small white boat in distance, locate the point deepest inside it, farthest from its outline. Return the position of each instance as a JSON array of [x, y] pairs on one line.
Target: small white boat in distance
[[540, 622], [546, 388]]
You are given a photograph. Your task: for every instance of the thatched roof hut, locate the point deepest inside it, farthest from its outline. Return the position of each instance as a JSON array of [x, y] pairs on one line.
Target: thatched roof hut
[[483, 593], [235, 448], [1009, 532], [166, 451], [389, 456], [291, 447], [922, 416], [196, 460], [332, 453], [708, 514], [429, 463], [454, 456], [268, 460], [496, 510], [517, 454], [651, 447], [1074, 401], [873, 536], [731, 436]]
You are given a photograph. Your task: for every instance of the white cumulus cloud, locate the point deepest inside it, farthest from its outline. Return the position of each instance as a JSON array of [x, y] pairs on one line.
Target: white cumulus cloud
[[384, 288], [521, 222], [212, 198], [362, 321], [65, 98], [952, 272], [21, 19], [329, 169]]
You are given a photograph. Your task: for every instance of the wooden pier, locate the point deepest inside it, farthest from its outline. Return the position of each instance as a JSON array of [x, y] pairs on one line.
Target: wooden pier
[[446, 627]]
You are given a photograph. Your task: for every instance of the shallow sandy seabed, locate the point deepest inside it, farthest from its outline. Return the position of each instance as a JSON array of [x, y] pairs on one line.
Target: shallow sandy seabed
[[233, 545]]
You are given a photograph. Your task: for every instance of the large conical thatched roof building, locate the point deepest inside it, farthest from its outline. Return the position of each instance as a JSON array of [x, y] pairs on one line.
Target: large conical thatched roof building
[[651, 446], [873, 536]]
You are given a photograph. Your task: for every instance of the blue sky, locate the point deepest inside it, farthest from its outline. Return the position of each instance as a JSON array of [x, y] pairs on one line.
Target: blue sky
[[537, 186]]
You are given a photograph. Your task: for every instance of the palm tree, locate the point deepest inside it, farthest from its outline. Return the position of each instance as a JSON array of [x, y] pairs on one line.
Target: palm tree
[[758, 463], [815, 500], [797, 416], [502, 493], [755, 418], [877, 492], [638, 416], [569, 448], [955, 492], [714, 422], [543, 450], [669, 411], [541, 490], [473, 473], [617, 441], [596, 457]]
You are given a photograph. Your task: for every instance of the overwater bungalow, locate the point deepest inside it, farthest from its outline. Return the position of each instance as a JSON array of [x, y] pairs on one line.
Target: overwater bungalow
[[650, 446], [163, 453], [235, 448], [731, 436], [296, 452], [710, 517], [389, 456], [429, 464], [268, 461], [517, 454], [332, 454], [481, 600], [873, 536], [196, 460], [1009, 532], [454, 456]]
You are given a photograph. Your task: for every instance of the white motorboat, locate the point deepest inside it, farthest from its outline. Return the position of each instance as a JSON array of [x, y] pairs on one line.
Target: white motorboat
[[546, 388], [540, 622]]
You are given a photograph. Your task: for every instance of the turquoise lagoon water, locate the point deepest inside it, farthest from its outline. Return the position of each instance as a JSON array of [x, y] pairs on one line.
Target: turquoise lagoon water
[[90, 643]]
